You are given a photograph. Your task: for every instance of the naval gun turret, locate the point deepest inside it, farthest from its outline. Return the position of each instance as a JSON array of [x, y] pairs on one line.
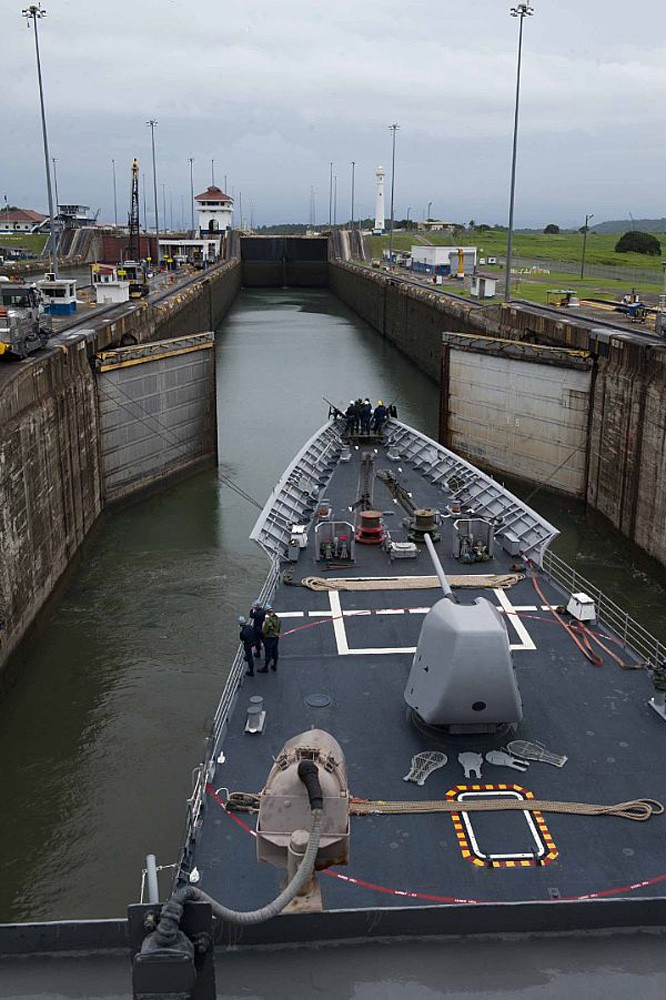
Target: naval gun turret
[[462, 679]]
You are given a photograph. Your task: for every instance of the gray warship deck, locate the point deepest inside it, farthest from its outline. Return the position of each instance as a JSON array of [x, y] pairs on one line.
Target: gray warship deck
[[344, 662]]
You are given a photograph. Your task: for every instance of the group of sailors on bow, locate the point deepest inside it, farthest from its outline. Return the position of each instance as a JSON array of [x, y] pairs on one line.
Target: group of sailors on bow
[[361, 418]]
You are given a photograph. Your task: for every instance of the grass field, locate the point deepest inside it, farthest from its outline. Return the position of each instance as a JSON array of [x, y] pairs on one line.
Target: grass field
[[32, 242], [563, 247]]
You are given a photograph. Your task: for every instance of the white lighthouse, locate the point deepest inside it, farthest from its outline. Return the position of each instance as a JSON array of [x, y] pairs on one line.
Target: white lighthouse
[[380, 174]]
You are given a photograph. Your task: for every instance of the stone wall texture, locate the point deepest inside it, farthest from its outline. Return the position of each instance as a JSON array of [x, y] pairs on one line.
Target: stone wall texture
[[51, 482]]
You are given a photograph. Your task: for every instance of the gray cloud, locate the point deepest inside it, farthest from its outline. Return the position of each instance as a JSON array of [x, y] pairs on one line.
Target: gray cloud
[[274, 91]]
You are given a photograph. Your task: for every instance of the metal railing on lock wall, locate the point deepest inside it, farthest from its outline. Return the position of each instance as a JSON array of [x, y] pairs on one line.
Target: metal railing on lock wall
[[630, 632]]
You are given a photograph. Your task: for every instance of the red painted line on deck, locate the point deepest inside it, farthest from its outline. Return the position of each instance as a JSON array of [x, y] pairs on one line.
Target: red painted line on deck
[[432, 898]]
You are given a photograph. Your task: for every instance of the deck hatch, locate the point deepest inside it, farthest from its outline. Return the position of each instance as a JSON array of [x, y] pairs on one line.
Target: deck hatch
[[535, 849]]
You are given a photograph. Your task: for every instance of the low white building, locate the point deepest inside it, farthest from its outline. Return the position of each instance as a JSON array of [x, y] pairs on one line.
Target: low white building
[[216, 211], [190, 251], [435, 226], [443, 260], [20, 220]]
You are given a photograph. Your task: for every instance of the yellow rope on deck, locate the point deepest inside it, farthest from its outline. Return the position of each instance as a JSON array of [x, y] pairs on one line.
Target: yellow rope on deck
[[492, 580], [639, 810], [636, 809]]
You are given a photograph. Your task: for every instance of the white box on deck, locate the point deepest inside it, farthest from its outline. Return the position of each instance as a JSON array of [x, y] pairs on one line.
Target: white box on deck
[[582, 608]]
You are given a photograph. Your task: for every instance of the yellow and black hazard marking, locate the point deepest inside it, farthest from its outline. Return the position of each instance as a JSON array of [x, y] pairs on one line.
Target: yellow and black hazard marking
[[542, 851]]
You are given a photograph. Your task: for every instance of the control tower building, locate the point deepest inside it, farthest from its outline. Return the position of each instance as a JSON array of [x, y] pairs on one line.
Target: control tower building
[[380, 221]]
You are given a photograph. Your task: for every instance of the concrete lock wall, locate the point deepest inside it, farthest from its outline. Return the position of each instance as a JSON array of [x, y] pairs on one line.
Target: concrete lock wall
[[525, 414], [409, 316], [627, 443], [625, 457], [157, 412], [52, 485]]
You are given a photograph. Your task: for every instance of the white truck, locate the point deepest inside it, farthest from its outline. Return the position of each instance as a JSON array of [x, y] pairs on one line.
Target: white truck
[[24, 326]]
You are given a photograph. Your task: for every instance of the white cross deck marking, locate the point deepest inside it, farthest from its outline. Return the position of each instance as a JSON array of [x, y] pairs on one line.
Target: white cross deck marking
[[509, 610]]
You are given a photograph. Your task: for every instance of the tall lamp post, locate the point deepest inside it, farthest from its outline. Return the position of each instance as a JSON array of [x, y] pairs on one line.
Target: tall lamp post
[[33, 13], [393, 129], [582, 263], [191, 159], [330, 196], [55, 182], [115, 194], [353, 166], [151, 125], [521, 11]]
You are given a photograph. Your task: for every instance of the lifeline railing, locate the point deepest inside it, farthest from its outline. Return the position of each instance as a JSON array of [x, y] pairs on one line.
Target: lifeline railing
[[632, 634], [204, 771]]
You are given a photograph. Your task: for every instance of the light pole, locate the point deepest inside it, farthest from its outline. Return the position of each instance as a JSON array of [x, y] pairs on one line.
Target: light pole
[[34, 12], [55, 182], [353, 166], [582, 263], [521, 10], [115, 195], [408, 213], [151, 125], [191, 159], [335, 201], [164, 215], [330, 196], [393, 129]]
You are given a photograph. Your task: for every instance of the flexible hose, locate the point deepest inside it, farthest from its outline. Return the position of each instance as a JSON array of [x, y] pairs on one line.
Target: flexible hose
[[190, 892]]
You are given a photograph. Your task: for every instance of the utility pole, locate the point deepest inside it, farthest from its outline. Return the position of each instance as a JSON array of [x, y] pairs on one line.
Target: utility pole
[[115, 194], [191, 158], [353, 166], [152, 123], [392, 128], [582, 263], [55, 182], [330, 196], [34, 13], [521, 10]]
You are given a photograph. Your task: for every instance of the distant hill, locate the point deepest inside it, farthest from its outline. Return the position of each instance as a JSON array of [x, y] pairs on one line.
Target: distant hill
[[626, 225]]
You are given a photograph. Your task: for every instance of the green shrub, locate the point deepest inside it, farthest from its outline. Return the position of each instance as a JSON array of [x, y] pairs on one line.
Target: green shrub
[[638, 243]]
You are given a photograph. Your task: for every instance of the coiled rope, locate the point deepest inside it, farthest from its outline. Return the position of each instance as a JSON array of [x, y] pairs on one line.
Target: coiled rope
[[475, 581], [636, 809], [639, 810]]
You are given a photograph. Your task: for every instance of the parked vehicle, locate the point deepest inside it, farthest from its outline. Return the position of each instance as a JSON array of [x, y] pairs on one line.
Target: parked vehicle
[[24, 325]]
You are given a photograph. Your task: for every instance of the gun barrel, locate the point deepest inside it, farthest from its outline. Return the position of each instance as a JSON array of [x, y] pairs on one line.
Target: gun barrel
[[439, 570]]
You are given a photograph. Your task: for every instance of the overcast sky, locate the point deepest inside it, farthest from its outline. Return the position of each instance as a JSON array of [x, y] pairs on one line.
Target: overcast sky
[[274, 92]]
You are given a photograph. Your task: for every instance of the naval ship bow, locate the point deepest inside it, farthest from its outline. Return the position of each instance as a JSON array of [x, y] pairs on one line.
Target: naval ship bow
[[461, 735]]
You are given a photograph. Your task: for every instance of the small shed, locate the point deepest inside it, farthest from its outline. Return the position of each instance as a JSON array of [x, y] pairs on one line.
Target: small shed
[[483, 286], [109, 285]]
